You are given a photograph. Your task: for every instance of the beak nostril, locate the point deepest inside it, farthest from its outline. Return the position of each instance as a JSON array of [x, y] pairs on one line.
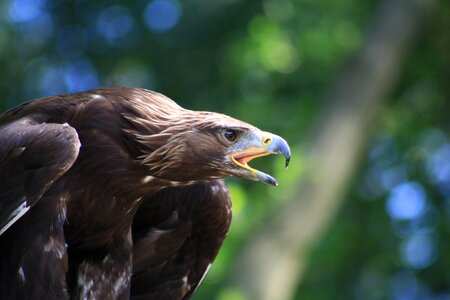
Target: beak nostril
[[267, 141]]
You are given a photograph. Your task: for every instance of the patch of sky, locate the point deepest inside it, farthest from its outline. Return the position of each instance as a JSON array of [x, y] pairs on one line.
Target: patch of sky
[[419, 250], [162, 15], [406, 201], [21, 11], [114, 25]]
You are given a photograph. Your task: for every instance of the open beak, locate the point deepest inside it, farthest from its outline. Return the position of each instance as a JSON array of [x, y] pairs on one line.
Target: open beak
[[270, 144]]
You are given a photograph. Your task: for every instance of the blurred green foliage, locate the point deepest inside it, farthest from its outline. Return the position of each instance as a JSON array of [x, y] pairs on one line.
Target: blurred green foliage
[[269, 63]]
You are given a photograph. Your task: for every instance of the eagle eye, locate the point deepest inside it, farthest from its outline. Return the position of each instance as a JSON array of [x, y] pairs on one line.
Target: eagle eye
[[230, 134]]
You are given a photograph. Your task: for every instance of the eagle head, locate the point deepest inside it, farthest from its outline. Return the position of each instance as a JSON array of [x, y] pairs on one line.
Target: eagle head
[[186, 146]]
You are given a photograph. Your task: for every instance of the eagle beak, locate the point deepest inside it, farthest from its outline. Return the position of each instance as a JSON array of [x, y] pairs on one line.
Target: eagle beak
[[270, 144]]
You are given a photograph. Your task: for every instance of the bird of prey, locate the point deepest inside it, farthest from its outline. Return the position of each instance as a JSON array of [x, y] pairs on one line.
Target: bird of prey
[[117, 193]]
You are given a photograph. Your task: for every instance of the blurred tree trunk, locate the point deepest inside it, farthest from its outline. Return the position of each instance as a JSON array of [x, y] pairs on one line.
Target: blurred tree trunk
[[272, 263]]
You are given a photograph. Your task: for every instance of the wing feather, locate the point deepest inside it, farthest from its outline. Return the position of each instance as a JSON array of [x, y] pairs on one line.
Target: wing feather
[[177, 235], [32, 157]]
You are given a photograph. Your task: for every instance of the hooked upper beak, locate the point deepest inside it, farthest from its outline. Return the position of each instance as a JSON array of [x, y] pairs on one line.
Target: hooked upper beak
[[270, 144]]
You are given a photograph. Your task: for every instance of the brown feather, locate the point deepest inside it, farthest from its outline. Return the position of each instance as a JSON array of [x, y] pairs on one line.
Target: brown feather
[[136, 145]]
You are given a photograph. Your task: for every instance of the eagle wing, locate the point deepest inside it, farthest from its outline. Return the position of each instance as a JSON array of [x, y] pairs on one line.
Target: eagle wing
[[33, 156], [177, 235]]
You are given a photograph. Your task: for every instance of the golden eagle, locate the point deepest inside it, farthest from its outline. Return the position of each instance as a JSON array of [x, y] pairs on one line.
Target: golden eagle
[[117, 193]]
